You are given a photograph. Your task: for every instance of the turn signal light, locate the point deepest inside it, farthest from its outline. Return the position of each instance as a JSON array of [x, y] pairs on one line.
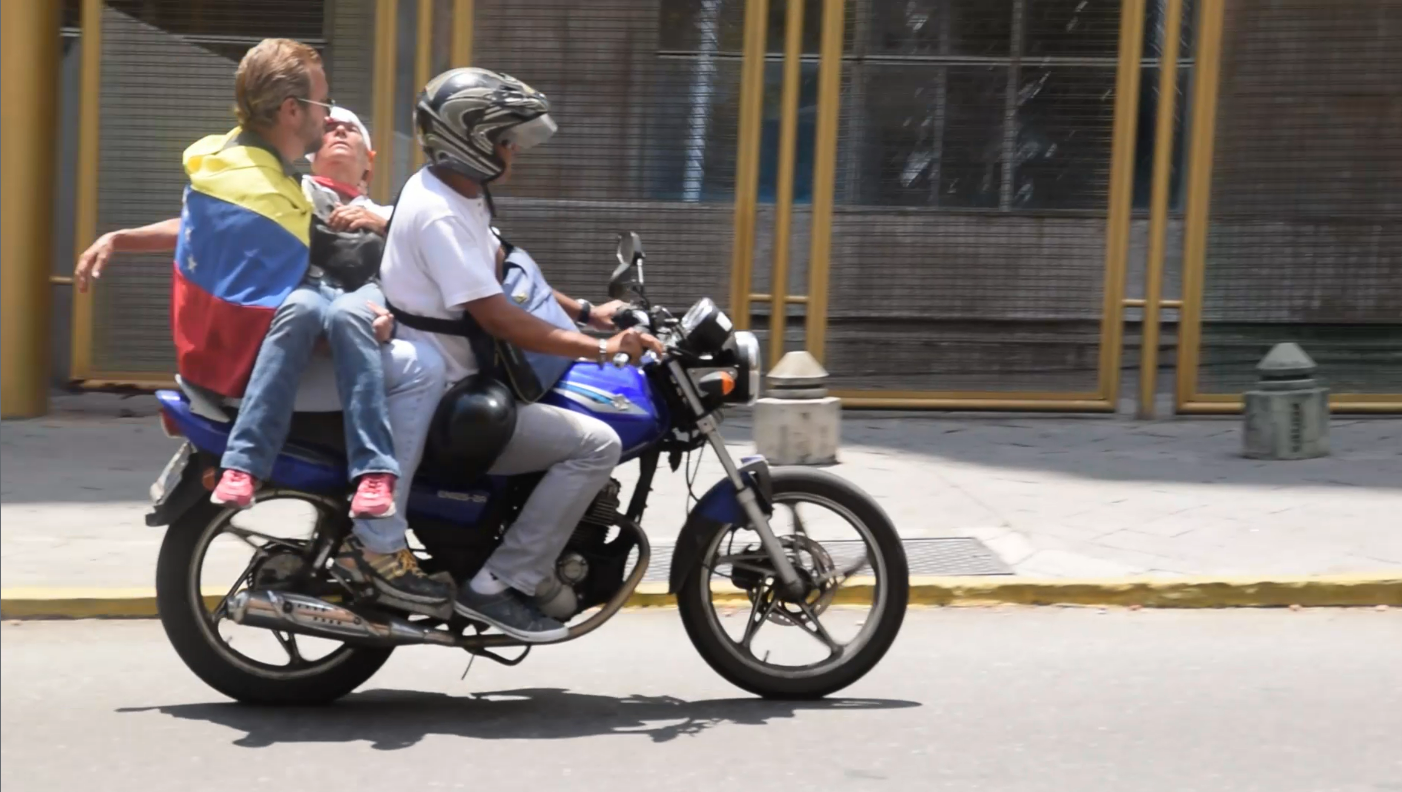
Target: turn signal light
[[727, 383], [169, 426], [718, 384]]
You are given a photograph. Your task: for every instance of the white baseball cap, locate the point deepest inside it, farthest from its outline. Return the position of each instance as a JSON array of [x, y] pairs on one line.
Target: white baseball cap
[[345, 116]]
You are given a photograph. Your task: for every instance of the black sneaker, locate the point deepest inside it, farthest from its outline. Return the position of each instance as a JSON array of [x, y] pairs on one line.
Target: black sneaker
[[396, 577], [511, 613]]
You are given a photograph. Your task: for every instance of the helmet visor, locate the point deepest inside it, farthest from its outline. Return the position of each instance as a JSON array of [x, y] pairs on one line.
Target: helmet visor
[[530, 133]]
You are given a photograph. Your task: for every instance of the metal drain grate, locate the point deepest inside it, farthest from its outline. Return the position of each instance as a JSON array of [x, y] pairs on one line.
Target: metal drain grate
[[945, 556]]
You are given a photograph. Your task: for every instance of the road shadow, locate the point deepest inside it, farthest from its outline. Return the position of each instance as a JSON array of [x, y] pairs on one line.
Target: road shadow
[[395, 719]]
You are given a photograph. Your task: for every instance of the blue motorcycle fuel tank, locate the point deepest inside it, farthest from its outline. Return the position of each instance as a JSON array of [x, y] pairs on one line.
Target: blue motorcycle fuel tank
[[620, 397]]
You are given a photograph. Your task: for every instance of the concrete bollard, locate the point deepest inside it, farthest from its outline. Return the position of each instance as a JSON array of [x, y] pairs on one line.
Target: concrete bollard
[[797, 422], [1287, 416]]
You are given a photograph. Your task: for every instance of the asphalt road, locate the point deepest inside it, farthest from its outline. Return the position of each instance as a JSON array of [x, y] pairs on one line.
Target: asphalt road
[[1008, 699]]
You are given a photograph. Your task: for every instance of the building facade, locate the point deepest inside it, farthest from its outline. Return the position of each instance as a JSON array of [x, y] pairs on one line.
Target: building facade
[[982, 206]]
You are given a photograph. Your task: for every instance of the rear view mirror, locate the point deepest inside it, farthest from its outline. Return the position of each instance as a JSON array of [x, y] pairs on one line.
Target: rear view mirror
[[630, 251], [630, 256]]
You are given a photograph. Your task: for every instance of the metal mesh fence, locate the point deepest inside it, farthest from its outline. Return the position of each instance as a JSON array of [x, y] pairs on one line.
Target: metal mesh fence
[[1305, 241], [968, 241], [646, 95]]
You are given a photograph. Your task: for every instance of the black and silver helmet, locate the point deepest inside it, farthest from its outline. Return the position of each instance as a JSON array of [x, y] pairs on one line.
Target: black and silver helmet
[[462, 114]]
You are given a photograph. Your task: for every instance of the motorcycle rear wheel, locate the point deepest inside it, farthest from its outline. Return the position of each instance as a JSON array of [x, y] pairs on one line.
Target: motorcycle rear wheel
[[194, 635], [734, 660]]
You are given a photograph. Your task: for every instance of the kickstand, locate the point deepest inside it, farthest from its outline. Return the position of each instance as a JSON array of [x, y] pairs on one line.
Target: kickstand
[[470, 659], [506, 661]]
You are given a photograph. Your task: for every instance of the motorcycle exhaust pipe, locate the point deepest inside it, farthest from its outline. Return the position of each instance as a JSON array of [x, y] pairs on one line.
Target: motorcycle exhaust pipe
[[298, 613]]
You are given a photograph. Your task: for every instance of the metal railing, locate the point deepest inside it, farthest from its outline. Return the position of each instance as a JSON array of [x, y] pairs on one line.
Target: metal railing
[[823, 266]]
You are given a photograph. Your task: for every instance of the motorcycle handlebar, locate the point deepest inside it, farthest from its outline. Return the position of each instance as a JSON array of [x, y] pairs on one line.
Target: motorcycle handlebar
[[631, 317], [649, 357]]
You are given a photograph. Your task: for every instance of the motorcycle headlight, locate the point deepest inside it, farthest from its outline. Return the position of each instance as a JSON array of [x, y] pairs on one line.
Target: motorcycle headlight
[[749, 368]]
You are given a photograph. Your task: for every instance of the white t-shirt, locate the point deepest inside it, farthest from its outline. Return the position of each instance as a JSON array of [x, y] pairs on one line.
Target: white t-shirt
[[441, 253]]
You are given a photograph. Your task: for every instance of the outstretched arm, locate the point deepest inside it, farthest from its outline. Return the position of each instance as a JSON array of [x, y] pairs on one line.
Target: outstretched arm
[[146, 239]]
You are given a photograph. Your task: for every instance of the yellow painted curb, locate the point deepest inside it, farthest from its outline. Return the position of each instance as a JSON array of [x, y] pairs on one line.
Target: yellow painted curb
[[1186, 592], [1313, 592], [86, 603]]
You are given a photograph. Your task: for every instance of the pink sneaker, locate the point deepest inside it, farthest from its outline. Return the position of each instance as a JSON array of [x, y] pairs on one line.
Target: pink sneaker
[[374, 497], [235, 489]]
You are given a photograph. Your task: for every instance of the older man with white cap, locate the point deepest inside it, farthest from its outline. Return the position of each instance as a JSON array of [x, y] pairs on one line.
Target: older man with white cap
[[339, 300], [343, 167]]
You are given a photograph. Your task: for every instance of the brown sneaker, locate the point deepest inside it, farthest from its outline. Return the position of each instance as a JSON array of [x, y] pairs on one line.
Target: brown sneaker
[[396, 577]]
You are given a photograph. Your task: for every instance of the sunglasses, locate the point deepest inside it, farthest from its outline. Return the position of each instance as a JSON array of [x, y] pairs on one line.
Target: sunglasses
[[329, 104]]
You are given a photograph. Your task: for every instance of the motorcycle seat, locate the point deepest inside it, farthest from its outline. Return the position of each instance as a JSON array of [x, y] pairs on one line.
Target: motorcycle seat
[[320, 435]]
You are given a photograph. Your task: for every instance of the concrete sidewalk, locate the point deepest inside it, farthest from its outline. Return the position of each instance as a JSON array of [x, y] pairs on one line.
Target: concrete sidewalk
[[1054, 497]]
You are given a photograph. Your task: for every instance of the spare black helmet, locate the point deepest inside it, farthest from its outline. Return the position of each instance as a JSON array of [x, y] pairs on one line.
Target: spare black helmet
[[471, 427]]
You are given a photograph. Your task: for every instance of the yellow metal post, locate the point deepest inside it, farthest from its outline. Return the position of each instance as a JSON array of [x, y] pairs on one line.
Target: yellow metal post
[[747, 159], [1158, 208], [29, 106], [463, 11], [1206, 81], [386, 17], [85, 200], [1121, 196], [423, 60], [824, 174], [783, 209]]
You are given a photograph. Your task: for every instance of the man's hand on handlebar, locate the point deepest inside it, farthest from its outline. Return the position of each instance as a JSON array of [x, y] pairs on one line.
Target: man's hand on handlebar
[[634, 343], [601, 317]]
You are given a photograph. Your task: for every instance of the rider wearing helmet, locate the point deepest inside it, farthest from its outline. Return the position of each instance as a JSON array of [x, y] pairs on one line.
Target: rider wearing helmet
[[440, 264]]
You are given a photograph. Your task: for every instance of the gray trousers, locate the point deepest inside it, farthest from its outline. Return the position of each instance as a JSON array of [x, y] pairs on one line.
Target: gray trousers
[[576, 452]]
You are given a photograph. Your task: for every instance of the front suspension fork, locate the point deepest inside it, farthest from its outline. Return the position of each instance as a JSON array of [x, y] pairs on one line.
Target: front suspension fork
[[749, 502]]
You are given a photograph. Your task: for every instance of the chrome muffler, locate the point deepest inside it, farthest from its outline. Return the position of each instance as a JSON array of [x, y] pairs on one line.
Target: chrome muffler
[[298, 613]]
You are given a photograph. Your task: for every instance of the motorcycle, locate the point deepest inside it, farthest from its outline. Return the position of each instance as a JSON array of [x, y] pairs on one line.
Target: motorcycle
[[729, 558]]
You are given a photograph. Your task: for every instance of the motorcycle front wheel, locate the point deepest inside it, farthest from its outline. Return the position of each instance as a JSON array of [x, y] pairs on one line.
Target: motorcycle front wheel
[[848, 555]]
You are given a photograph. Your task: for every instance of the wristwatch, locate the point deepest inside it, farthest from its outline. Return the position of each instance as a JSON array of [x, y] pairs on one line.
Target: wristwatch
[[585, 309], [603, 351]]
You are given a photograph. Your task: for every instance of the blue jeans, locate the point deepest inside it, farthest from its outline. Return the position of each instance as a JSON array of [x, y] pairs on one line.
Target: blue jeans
[[265, 415], [415, 380]]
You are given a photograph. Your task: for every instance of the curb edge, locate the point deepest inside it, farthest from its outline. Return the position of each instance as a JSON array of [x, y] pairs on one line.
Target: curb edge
[[1243, 592]]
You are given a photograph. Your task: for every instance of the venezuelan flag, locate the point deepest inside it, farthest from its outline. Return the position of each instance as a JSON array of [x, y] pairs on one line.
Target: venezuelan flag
[[244, 238]]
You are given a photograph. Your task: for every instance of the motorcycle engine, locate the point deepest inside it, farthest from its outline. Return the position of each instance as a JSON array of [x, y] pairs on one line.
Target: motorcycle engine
[[590, 568]]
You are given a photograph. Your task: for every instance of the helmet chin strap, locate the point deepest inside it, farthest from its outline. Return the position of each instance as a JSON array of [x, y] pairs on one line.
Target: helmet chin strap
[[487, 196]]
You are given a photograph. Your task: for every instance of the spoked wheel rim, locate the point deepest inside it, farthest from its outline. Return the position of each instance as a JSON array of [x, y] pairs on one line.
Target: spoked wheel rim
[[768, 609], [263, 545]]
